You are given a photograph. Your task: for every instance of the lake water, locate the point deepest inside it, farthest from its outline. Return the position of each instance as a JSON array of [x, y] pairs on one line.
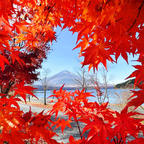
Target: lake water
[[115, 95]]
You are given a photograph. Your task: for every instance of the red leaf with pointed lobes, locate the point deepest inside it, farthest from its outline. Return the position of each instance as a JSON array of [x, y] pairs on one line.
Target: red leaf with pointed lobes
[[62, 123], [96, 54], [98, 129], [104, 28], [15, 57], [3, 60], [4, 36], [27, 116], [137, 99], [9, 102], [6, 8], [73, 141], [138, 74], [81, 95], [24, 90], [137, 141], [126, 123]]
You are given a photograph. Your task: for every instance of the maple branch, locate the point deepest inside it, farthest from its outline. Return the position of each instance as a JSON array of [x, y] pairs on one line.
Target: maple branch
[[80, 133], [134, 22], [8, 88], [142, 107], [79, 128]]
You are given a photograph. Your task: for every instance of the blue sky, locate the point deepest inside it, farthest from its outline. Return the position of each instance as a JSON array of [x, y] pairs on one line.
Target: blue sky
[[62, 57]]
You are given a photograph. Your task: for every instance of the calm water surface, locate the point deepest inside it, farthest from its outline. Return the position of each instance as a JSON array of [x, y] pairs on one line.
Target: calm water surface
[[115, 95]]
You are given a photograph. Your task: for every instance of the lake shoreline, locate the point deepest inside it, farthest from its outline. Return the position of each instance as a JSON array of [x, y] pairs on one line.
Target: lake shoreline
[[50, 102]]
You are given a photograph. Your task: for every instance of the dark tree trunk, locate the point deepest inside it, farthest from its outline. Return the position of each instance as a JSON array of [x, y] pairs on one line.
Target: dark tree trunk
[[44, 95], [29, 97]]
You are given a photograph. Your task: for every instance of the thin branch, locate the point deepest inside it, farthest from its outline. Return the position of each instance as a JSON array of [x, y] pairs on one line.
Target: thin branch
[[142, 107], [134, 22], [78, 81], [78, 126], [79, 129]]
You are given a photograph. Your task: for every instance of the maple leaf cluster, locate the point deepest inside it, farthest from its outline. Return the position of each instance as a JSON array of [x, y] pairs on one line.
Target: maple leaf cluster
[[106, 29], [102, 124]]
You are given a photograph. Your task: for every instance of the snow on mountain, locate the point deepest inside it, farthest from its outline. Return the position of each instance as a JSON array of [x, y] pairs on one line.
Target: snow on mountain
[[65, 77]]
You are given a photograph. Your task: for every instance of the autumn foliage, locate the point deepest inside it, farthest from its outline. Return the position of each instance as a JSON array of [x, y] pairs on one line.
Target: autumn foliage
[[106, 29]]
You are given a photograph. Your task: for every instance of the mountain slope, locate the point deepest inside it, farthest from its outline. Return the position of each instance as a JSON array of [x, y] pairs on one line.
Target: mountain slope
[[65, 77], [127, 84]]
